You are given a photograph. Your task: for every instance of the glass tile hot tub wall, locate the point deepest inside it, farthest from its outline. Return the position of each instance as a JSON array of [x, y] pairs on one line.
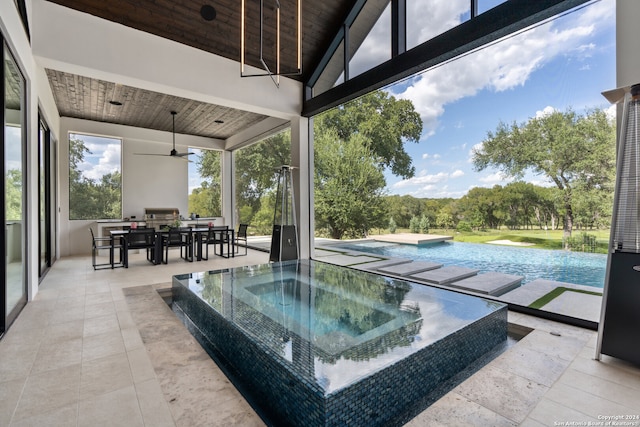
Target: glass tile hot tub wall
[[290, 375]]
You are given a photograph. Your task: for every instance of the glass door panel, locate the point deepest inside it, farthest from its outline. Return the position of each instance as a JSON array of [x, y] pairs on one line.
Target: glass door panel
[[14, 199]]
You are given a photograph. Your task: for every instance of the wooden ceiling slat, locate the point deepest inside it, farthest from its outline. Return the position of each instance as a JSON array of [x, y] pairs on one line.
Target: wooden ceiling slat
[[86, 98], [180, 20]]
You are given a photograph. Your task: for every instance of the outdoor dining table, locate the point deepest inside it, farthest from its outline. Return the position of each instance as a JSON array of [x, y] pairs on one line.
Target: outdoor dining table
[[197, 239], [157, 249]]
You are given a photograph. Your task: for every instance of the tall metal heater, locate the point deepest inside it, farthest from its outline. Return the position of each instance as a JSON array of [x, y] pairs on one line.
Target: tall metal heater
[[284, 239], [619, 334]]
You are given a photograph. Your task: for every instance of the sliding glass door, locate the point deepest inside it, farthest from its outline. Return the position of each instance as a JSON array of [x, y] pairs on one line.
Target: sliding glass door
[[45, 190], [13, 194]]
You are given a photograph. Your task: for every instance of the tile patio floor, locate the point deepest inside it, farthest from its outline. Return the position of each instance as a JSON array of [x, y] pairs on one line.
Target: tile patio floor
[[101, 348]]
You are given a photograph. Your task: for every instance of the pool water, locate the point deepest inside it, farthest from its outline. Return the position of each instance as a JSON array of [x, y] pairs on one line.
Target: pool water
[[564, 266], [319, 344]]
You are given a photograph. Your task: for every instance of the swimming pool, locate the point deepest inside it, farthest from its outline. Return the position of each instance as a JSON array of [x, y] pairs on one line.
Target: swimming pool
[[315, 344], [564, 266]]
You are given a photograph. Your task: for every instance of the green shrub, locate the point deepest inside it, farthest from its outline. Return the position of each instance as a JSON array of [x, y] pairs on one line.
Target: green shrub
[[464, 226], [424, 224], [414, 225], [392, 226], [583, 243]]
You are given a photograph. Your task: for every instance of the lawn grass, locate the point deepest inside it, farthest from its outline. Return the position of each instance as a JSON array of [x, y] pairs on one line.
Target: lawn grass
[[541, 239], [545, 299]]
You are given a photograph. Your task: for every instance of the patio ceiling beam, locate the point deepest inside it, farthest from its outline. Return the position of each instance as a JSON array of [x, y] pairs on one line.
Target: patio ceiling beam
[[504, 19]]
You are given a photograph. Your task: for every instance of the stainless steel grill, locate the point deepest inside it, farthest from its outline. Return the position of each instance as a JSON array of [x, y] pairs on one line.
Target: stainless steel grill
[[160, 217]]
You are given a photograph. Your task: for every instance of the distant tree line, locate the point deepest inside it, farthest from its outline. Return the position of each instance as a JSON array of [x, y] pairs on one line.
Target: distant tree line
[[517, 206]]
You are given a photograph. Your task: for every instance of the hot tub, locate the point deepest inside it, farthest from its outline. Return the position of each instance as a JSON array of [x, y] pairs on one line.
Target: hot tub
[[315, 344]]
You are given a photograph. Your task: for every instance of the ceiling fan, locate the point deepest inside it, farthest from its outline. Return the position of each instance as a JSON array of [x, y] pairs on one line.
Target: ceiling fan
[[173, 152]]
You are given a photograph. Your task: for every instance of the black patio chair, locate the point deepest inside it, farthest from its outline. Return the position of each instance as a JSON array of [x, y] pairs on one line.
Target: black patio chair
[[216, 235], [106, 244], [141, 238], [178, 238], [241, 236]]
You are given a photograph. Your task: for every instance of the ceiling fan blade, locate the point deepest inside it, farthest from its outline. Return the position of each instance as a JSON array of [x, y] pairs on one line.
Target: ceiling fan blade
[[182, 154], [152, 154]]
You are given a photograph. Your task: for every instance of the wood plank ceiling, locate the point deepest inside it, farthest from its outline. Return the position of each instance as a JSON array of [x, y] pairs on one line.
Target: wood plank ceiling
[[88, 98], [183, 21]]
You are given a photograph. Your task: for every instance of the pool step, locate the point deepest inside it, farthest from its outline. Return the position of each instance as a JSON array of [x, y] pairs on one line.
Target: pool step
[[491, 283], [446, 275], [410, 269], [384, 263]]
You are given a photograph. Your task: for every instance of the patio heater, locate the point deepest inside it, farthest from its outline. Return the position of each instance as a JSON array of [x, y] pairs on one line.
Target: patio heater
[[284, 240], [619, 329]]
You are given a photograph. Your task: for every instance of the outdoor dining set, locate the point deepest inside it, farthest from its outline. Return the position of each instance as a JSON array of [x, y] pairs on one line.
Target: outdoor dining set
[[193, 244]]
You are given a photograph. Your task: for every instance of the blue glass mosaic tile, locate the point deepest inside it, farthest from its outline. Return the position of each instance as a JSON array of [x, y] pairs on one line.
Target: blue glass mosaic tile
[[321, 345]]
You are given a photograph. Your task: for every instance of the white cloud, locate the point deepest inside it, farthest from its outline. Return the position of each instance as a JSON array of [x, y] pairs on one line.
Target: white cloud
[[495, 178], [437, 156], [612, 112], [546, 111], [422, 180], [476, 148], [425, 156], [107, 161], [502, 66], [457, 174]]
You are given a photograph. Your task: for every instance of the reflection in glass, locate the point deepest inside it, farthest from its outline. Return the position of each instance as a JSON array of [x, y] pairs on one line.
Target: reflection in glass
[[427, 19], [42, 189], [13, 185], [370, 46]]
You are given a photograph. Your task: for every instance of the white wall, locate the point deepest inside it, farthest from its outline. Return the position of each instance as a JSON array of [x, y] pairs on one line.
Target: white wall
[[38, 95], [147, 181]]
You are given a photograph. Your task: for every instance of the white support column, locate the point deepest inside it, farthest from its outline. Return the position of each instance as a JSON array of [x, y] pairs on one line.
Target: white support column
[[228, 188], [302, 159]]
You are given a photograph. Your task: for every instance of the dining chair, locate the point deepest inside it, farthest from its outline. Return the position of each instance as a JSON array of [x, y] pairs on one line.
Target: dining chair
[[105, 243], [178, 238], [216, 235], [241, 236], [141, 238]]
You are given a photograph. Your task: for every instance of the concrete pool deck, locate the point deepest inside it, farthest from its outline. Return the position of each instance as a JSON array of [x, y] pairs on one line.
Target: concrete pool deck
[[85, 354]]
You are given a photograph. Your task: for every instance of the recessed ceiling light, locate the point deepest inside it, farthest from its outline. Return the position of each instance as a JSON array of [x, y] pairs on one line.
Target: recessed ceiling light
[[207, 12], [218, 121], [118, 103]]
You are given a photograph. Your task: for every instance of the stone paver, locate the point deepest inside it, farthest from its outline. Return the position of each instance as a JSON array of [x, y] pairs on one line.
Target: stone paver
[[491, 283], [576, 304], [445, 275], [410, 269]]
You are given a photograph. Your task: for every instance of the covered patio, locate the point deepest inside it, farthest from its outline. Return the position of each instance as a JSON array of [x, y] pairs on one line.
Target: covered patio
[[85, 347]]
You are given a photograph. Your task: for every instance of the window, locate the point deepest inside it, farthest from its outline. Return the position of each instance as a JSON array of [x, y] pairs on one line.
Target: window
[[205, 198], [95, 177], [256, 176]]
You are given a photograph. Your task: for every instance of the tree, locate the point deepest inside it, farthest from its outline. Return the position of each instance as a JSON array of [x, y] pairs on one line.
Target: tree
[[206, 200], [349, 186], [256, 168], [92, 199], [565, 147], [385, 122], [13, 195]]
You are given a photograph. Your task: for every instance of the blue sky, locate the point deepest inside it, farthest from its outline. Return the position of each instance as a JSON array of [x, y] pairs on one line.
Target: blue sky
[[564, 63]]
